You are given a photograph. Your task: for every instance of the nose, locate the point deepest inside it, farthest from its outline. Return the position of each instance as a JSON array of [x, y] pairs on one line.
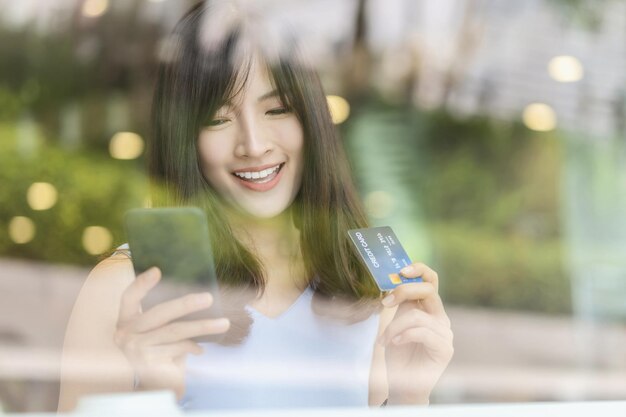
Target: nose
[[253, 141]]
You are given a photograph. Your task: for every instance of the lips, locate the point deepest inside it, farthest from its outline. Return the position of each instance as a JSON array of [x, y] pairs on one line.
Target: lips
[[262, 178]]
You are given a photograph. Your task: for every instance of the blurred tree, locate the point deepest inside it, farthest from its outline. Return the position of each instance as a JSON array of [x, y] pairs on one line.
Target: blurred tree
[[587, 14]]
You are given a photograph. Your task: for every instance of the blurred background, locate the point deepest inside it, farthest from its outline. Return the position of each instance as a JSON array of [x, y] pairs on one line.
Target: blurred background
[[490, 134]]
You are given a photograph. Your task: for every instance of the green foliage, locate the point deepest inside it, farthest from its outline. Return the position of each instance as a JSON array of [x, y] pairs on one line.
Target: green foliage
[[498, 175], [493, 210], [585, 14], [93, 190], [486, 193], [487, 269]]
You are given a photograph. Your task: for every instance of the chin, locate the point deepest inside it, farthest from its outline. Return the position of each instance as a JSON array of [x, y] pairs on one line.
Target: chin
[[266, 213]]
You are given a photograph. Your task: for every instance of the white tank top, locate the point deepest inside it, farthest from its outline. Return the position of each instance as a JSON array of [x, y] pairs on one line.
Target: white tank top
[[297, 359]]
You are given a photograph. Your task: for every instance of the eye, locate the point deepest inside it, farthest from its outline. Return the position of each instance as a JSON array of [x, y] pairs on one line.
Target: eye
[[217, 122], [278, 111]]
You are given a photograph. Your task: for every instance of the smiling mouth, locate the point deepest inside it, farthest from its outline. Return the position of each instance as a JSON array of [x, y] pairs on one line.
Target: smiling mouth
[[259, 177]]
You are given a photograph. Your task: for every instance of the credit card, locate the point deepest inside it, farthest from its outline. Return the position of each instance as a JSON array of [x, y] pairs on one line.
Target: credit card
[[383, 255]]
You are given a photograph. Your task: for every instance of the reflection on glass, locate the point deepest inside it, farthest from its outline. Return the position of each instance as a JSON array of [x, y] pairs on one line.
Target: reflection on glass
[[439, 112]]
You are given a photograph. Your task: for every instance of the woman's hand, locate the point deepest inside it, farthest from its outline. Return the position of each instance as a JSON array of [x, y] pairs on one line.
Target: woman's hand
[[153, 342], [418, 341]]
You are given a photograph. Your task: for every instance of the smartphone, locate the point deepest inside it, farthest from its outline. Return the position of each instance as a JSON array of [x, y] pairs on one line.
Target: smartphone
[[177, 241]]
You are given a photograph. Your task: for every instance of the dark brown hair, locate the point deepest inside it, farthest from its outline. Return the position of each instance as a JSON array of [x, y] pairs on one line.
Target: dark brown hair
[[191, 86]]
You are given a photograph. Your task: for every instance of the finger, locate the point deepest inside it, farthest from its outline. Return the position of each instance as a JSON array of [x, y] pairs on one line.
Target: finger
[[434, 306], [163, 313], [423, 271], [413, 318], [180, 361], [409, 292], [434, 342], [130, 305], [423, 292], [181, 330], [172, 350]]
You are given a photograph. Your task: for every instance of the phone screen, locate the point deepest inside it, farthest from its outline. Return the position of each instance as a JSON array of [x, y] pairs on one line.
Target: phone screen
[[177, 241]]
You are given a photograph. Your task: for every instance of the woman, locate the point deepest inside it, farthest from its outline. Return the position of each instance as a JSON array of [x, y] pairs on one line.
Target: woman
[[245, 133]]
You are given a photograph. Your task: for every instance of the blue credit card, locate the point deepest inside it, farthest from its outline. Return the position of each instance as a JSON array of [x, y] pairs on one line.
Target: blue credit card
[[383, 255]]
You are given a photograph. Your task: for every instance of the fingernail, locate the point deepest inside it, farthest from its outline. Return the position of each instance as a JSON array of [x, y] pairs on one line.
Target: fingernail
[[406, 270], [388, 300], [396, 339]]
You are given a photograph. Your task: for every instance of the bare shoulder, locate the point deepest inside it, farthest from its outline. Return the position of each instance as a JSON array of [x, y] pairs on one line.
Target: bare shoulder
[[114, 269], [91, 361], [105, 284]]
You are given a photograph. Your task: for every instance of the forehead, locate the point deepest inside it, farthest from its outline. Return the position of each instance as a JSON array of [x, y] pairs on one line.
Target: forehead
[[258, 82], [249, 81], [254, 82]]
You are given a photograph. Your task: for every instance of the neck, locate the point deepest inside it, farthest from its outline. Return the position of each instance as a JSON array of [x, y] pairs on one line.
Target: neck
[[267, 238], [276, 242]]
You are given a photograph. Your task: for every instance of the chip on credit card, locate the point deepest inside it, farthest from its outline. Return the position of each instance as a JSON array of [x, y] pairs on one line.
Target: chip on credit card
[[383, 255]]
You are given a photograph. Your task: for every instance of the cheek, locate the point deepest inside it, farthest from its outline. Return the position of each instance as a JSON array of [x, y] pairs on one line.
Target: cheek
[[295, 143], [210, 155]]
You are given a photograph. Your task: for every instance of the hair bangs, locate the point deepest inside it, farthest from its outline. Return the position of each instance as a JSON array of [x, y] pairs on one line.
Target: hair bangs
[[221, 75]]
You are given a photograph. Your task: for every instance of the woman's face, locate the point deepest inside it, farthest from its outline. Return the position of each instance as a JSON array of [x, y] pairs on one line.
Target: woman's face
[[252, 150]]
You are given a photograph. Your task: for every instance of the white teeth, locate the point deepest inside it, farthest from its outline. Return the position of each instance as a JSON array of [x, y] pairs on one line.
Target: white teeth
[[257, 174]]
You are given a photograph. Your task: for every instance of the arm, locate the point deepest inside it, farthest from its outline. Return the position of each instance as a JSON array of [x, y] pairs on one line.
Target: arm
[[110, 340], [91, 361]]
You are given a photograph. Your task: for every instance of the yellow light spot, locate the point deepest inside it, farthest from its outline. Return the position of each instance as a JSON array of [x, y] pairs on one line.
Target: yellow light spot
[[21, 229], [565, 69], [379, 204], [95, 8], [339, 108], [539, 117], [147, 202], [41, 196], [97, 240], [126, 145]]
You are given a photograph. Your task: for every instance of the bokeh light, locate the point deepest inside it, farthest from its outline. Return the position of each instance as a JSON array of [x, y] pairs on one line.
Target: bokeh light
[[539, 117], [97, 240], [565, 69], [95, 8], [339, 108], [21, 229], [41, 196], [379, 204], [126, 145]]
